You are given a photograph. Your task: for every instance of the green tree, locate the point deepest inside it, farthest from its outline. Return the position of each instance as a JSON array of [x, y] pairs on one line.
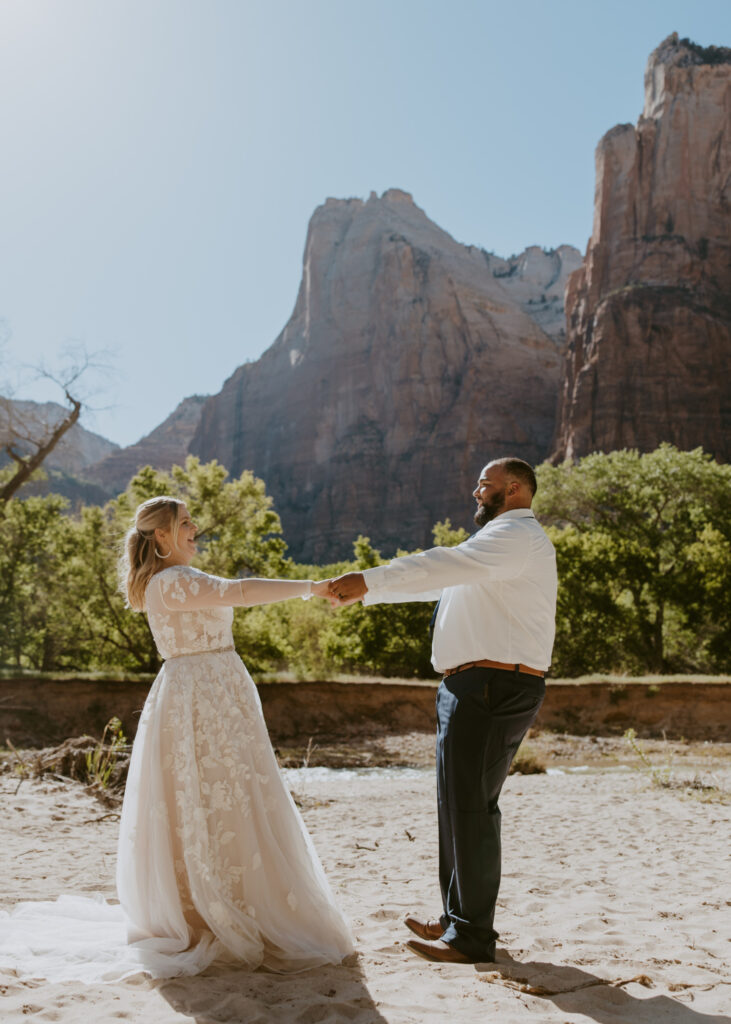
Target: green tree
[[387, 639], [239, 536], [633, 550], [710, 617], [34, 546], [106, 634], [446, 537], [592, 622]]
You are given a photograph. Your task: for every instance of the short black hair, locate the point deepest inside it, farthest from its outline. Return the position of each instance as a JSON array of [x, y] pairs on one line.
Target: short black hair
[[519, 469]]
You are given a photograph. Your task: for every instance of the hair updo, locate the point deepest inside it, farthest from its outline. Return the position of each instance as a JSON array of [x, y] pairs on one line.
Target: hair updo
[[140, 560]]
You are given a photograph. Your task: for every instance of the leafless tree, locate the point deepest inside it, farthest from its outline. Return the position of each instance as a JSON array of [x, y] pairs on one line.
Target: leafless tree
[[28, 438]]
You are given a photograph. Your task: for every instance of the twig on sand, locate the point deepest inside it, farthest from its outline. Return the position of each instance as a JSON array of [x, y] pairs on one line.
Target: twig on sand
[[311, 748], [93, 821]]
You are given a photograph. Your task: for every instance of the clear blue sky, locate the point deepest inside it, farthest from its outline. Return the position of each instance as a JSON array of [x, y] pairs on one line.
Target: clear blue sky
[[161, 158]]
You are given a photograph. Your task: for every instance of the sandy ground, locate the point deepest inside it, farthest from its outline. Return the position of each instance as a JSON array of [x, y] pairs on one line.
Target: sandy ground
[[614, 905]]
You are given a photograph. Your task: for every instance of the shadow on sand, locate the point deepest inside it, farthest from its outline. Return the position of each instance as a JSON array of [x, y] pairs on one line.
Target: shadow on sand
[[227, 996], [605, 1001]]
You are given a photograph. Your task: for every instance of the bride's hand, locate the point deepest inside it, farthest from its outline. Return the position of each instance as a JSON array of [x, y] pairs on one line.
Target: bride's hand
[[321, 588]]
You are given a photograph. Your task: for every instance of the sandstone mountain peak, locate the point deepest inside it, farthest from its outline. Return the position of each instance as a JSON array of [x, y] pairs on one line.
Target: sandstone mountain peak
[[406, 363], [683, 52], [648, 315], [673, 55], [397, 195], [394, 195], [391, 195], [394, 205]]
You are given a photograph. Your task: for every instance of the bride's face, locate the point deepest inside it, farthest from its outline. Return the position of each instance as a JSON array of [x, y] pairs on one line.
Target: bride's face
[[185, 549]]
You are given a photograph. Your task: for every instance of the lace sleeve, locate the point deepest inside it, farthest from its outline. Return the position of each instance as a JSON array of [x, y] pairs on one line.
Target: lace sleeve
[[183, 588]]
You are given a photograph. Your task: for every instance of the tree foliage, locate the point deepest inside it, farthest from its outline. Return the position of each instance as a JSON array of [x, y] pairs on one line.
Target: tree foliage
[[62, 570], [312, 641], [35, 544], [390, 639], [642, 543]]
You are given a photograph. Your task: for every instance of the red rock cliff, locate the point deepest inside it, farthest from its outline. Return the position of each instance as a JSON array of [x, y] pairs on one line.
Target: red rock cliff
[[405, 366], [649, 314]]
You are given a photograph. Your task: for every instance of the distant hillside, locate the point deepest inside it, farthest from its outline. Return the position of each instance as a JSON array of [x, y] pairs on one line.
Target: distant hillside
[[68, 461], [76, 450], [162, 448]]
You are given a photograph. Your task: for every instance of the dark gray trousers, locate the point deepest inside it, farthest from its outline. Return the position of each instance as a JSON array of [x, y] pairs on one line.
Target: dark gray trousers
[[482, 716]]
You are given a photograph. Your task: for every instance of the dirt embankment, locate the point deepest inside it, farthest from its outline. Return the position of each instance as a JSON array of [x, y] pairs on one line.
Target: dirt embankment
[[37, 712]]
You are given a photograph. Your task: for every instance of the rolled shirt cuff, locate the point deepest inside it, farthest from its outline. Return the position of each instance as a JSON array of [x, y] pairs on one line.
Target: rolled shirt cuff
[[374, 582], [395, 577], [396, 584], [375, 579]]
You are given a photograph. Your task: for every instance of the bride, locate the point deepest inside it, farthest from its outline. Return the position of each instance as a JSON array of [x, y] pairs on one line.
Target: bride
[[214, 861]]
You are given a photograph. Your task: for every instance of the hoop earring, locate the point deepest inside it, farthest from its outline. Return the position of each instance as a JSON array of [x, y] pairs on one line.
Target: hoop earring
[[163, 556]]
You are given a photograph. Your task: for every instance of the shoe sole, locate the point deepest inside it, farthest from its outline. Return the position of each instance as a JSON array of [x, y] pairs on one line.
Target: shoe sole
[[438, 960], [424, 935], [457, 963]]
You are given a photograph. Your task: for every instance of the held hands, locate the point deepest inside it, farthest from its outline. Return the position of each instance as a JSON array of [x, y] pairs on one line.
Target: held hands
[[342, 590]]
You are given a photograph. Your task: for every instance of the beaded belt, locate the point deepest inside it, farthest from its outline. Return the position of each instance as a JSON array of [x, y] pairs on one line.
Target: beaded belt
[[486, 663], [194, 654]]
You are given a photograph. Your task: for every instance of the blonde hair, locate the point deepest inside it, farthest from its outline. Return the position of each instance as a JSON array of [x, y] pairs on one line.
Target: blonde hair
[[140, 559]]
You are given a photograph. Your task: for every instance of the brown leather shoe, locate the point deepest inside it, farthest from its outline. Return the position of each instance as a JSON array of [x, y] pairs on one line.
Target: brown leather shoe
[[438, 952], [424, 929]]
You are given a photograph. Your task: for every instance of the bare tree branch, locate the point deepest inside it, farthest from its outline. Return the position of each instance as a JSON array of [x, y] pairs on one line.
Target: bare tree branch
[[28, 439], [28, 464]]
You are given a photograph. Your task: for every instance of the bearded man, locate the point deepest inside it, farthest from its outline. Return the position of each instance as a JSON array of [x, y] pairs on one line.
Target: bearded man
[[493, 634]]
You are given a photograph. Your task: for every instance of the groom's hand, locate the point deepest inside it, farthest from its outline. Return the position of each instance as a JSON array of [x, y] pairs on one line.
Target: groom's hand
[[348, 588]]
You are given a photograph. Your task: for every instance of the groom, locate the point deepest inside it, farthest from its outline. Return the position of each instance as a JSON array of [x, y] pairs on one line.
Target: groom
[[493, 635]]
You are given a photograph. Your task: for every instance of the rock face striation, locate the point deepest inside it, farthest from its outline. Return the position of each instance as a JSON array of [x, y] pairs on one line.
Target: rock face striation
[[405, 366], [536, 280], [649, 314], [165, 446]]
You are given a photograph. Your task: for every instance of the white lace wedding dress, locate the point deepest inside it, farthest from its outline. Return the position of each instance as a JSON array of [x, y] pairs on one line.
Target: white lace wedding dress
[[214, 861]]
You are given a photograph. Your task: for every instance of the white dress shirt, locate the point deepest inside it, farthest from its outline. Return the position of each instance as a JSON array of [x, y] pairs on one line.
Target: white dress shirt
[[497, 591]]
